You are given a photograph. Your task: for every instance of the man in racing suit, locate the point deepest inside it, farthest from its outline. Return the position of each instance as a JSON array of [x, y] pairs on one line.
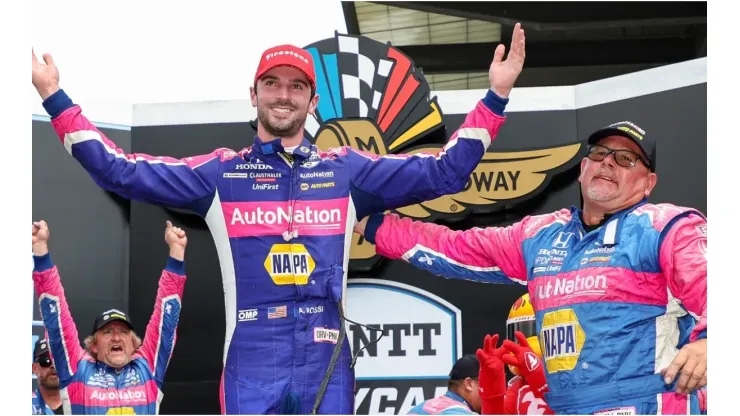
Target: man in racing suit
[[462, 396], [281, 213], [117, 373], [619, 288]]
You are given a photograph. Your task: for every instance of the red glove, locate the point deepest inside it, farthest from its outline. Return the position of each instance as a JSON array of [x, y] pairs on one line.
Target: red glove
[[491, 376], [529, 365]]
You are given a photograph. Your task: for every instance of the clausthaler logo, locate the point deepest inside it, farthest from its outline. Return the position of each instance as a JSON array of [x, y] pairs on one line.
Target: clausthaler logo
[[374, 99]]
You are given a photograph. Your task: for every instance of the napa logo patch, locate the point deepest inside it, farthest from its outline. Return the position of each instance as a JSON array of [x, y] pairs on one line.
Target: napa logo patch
[[289, 264], [561, 339]]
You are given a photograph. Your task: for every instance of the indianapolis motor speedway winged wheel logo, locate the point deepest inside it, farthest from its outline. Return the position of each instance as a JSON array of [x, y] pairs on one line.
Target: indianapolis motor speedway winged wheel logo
[[374, 99]]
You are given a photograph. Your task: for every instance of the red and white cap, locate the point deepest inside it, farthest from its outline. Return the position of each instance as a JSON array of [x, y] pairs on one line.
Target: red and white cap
[[287, 55]]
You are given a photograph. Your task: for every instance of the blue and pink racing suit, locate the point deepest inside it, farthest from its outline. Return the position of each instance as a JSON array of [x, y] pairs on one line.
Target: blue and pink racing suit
[[613, 306], [90, 387]]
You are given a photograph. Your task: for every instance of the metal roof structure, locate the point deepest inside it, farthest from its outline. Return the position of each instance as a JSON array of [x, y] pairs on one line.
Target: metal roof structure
[[567, 42]]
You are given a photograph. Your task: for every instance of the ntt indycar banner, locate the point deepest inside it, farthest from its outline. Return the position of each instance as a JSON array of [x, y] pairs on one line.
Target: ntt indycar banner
[[411, 361]]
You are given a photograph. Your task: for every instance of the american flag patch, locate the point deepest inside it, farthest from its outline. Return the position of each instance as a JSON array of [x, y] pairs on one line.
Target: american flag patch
[[276, 312]]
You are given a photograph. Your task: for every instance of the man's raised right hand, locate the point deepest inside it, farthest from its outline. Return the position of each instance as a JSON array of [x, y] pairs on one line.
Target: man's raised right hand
[[45, 76], [177, 240], [40, 238]]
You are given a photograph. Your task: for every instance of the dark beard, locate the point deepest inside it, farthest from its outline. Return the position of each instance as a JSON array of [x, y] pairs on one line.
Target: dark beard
[[48, 384], [278, 131]]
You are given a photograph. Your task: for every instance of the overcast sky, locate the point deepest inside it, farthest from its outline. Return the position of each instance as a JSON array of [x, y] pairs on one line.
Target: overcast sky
[[168, 51]]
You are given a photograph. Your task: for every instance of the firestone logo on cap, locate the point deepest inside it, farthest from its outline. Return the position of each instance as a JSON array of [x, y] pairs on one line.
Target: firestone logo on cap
[[292, 53]]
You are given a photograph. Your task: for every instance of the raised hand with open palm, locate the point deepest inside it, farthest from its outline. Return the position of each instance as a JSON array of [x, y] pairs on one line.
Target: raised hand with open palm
[[44, 76], [503, 73]]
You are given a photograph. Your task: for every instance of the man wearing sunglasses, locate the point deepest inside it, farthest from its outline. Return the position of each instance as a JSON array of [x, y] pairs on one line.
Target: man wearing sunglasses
[[116, 372], [619, 287], [45, 400]]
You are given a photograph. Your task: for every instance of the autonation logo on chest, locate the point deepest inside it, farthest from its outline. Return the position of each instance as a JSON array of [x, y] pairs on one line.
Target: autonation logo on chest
[[412, 361]]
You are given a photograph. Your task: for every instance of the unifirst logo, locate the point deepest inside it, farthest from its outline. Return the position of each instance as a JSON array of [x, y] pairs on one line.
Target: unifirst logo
[[291, 53], [289, 264], [561, 339]]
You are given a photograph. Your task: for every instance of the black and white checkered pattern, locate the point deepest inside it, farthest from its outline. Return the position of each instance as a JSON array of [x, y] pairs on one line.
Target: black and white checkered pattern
[[365, 69]]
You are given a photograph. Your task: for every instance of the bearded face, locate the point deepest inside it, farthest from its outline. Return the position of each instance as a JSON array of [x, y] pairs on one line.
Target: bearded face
[[45, 372], [283, 100]]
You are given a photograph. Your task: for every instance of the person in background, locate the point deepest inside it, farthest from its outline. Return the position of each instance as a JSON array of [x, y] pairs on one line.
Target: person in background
[[462, 396], [116, 373], [45, 400]]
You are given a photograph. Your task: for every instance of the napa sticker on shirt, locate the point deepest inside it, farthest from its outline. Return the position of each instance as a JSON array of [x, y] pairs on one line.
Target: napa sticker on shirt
[[289, 264], [561, 340]]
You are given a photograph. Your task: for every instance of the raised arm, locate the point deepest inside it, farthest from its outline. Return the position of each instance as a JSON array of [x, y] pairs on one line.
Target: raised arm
[[61, 332], [394, 181], [180, 183], [161, 332]]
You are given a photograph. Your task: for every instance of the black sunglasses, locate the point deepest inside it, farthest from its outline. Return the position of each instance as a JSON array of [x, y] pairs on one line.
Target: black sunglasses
[[624, 158], [44, 361]]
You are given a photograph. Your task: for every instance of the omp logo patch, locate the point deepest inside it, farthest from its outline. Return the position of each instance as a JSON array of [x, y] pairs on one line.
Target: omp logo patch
[[289, 264], [247, 315], [561, 339]]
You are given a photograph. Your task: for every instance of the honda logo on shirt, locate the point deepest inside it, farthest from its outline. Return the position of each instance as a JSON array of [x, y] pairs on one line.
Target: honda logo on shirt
[[562, 240]]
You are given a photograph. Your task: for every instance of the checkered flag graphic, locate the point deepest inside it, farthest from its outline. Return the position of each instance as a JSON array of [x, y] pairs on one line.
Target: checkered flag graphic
[[364, 75]]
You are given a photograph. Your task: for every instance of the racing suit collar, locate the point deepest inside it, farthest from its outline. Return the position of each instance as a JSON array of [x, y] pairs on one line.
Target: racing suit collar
[[611, 229], [303, 151], [108, 369], [40, 398], [456, 397]]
